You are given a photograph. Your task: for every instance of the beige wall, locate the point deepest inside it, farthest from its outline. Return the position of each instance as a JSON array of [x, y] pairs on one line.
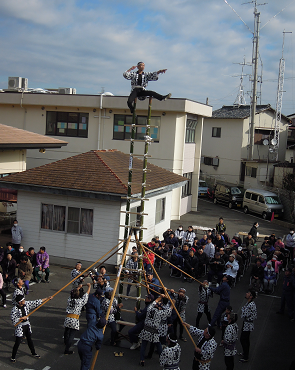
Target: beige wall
[[12, 161], [170, 153]]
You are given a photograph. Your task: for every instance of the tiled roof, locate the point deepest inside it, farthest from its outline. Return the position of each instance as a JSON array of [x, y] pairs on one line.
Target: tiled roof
[[12, 137], [241, 112], [102, 171]]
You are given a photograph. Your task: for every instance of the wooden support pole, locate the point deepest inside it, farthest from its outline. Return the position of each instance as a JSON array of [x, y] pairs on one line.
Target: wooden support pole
[[113, 295], [167, 295], [88, 268]]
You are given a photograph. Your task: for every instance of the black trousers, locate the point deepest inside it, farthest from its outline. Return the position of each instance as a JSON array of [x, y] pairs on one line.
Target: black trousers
[[229, 362], [175, 322], [207, 313], [138, 92], [245, 342], [69, 335], [3, 295], [18, 341]]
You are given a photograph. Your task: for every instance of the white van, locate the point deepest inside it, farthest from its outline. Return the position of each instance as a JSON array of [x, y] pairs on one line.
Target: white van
[[263, 203]]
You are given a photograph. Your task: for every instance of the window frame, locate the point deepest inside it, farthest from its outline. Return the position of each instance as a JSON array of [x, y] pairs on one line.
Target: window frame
[[216, 132], [125, 134], [54, 119], [66, 220], [160, 213], [186, 190], [190, 130]]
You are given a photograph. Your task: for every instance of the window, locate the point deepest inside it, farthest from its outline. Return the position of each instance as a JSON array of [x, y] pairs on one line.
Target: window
[[254, 197], [248, 195], [251, 171], [160, 210], [261, 135], [67, 124], [187, 188], [78, 220], [134, 217], [190, 131], [209, 161], [216, 131], [122, 132]]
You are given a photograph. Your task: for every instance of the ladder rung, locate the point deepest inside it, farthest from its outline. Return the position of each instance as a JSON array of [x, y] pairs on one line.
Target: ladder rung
[[126, 282], [135, 213], [138, 183], [136, 198], [134, 227], [140, 169], [117, 267], [124, 310], [140, 155], [131, 240]]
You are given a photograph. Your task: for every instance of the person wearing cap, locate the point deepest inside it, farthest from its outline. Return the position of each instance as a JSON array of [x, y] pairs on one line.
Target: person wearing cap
[[75, 304], [116, 308], [231, 267], [93, 310], [140, 316], [249, 314], [224, 291], [150, 333], [238, 239], [181, 300], [93, 335], [170, 356], [205, 347], [139, 81], [230, 338], [20, 313], [269, 277]]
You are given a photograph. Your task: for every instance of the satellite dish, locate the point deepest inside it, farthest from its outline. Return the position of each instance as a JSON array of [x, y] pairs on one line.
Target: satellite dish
[[274, 142], [271, 150], [265, 142]]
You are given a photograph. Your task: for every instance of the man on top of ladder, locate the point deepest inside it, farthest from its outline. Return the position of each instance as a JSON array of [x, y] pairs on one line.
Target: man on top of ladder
[[139, 81]]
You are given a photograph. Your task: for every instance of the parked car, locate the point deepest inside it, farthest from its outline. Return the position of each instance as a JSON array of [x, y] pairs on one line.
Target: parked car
[[230, 195], [203, 189], [262, 202]]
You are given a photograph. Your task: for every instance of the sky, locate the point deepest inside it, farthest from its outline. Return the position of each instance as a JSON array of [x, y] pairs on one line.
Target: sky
[[88, 44]]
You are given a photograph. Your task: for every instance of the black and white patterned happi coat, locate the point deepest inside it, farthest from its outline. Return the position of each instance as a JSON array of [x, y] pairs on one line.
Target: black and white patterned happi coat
[[18, 291], [104, 307], [230, 337], [75, 273], [74, 306], [133, 265], [204, 296], [249, 314], [170, 356], [146, 77], [153, 319], [163, 327], [180, 305], [16, 314], [208, 348]]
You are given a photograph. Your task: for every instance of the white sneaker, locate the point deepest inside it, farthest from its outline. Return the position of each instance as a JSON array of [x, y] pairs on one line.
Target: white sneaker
[[135, 345], [217, 285], [210, 283]]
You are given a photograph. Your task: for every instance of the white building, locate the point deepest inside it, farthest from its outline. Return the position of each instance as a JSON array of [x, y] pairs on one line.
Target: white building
[[74, 207], [97, 122], [226, 138]]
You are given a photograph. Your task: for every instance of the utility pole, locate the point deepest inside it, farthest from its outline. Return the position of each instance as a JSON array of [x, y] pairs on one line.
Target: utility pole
[[254, 82]]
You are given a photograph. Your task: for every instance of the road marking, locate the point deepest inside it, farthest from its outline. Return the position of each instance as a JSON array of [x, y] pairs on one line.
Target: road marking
[[47, 368], [269, 295], [77, 339]]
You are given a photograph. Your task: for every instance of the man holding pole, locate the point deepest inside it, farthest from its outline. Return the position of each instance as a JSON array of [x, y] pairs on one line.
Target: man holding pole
[[19, 313], [206, 346]]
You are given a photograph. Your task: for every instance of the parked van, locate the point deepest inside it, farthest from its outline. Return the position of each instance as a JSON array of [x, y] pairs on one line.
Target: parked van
[[203, 189], [230, 195], [263, 203]]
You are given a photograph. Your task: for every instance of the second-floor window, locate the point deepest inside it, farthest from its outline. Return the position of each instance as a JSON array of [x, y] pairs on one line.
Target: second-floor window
[[216, 131], [67, 124]]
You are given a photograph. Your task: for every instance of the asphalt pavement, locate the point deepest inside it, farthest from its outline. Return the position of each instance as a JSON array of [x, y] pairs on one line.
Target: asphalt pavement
[[272, 342]]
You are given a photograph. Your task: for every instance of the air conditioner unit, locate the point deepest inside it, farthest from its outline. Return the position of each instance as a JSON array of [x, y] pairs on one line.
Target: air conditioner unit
[[66, 90], [16, 83]]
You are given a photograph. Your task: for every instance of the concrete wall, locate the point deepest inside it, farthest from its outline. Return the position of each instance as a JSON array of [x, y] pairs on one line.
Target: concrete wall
[[12, 161]]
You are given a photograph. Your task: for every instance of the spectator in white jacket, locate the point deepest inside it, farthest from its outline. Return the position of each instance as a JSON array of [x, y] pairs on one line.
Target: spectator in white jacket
[[231, 267], [290, 243]]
